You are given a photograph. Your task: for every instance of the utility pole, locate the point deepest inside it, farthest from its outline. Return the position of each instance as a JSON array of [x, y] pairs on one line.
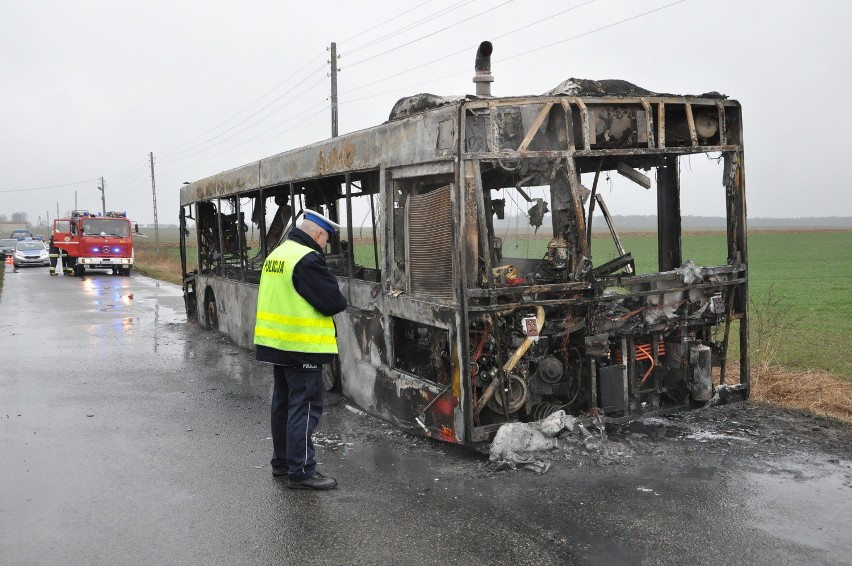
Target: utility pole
[[154, 191], [102, 189], [333, 89]]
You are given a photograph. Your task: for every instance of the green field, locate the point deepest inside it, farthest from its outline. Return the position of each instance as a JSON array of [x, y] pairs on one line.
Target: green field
[[799, 285]]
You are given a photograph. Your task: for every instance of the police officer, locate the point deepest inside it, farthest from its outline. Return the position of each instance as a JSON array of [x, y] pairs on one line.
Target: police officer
[[295, 332]]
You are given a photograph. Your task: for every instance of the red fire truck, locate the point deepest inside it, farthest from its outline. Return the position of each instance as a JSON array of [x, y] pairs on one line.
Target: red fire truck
[[96, 242]]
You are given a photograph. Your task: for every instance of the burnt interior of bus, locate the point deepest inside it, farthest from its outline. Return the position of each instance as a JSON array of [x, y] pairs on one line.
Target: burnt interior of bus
[[236, 233], [563, 330]]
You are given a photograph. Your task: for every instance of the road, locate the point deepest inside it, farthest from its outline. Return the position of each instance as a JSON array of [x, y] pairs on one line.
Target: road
[[128, 436]]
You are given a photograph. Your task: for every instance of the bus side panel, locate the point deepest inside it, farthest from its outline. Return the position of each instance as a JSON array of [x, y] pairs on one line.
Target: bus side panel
[[360, 338], [235, 304], [369, 380]]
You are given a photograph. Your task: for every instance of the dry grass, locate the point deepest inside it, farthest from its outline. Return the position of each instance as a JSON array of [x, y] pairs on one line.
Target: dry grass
[[816, 392], [813, 391], [162, 265]]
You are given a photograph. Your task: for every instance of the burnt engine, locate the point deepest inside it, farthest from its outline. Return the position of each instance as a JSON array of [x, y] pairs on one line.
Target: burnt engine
[[543, 370], [621, 358]]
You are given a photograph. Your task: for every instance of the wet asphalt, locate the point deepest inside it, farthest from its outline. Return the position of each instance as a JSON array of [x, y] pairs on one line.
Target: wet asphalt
[[128, 436]]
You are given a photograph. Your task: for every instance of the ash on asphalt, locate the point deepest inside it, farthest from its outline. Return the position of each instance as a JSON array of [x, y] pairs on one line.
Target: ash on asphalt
[[764, 438]]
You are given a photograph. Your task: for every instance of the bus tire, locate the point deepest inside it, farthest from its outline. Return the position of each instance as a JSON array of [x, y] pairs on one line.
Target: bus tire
[[211, 314], [331, 376]]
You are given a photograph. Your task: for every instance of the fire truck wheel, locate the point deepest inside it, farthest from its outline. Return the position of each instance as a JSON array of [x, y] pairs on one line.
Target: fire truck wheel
[[331, 376], [79, 270]]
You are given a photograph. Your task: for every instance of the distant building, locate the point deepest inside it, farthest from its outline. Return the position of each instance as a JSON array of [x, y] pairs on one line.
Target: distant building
[[7, 227]]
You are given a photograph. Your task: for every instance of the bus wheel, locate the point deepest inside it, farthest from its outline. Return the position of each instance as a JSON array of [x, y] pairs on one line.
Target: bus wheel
[[331, 376], [211, 316]]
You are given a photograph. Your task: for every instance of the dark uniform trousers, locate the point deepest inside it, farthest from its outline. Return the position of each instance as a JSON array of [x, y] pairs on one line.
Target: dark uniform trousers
[[296, 410]]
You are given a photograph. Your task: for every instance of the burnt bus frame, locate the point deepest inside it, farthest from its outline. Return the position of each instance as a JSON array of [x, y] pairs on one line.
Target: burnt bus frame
[[432, 143]]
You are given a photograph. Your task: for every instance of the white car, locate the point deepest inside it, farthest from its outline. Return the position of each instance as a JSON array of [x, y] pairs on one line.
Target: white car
[[31, 252]]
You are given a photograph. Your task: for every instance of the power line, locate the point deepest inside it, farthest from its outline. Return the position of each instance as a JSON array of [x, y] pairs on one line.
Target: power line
[[359, 34], [406, 88], [324, 105], [128, 177], [471, 47], [429, 34], [589, 32], [49, 187], [427, 19], [126, 172], [276, 87], [249, 126], [637, 16], [246, 119]]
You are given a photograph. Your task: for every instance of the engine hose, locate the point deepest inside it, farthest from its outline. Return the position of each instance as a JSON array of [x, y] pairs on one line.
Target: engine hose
[[525, 345], [481, 346], [486, 395]]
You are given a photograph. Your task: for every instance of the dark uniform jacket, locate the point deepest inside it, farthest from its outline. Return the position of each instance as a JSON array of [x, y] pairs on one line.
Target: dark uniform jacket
[[313, 281]]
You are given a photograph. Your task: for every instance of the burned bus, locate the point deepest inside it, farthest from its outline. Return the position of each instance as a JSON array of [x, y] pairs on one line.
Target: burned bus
[[451, 330]]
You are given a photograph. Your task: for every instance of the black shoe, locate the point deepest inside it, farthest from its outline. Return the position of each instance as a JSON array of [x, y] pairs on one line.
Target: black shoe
[[318, 481], [279, 472]]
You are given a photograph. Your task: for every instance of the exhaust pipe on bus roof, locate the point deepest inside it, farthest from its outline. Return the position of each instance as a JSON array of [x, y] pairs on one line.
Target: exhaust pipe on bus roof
[[483, 77]]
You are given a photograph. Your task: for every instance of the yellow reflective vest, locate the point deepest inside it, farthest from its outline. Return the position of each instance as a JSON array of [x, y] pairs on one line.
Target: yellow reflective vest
[[285, 320]]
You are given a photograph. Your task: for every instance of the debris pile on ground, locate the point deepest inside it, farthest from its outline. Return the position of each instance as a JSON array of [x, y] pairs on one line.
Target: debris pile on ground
[[533, 446], [332, 441]]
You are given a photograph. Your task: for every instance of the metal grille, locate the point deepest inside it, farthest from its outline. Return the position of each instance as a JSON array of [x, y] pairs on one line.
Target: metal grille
[[430, 244]]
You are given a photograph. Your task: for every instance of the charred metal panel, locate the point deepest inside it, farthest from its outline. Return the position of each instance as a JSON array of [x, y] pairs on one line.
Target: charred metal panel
[[612, 392], [668, 216], [402, 142], [421, 350], [360, 365], [422, 170], [430, 242], [420, 310], [469, 223], [368, 381], [226, 183], [367, 336], [365, 295], [538, 125], [478, 132], [236, 304]]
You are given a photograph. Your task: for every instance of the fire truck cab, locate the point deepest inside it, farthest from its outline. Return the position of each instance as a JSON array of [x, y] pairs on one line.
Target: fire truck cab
[[93, 241]]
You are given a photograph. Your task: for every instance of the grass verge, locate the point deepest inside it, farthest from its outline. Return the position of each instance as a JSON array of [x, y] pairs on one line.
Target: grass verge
[[812, 391], [163, 264]]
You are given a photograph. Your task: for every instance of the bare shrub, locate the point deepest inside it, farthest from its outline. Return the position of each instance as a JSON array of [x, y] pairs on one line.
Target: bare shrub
[[769, 320]]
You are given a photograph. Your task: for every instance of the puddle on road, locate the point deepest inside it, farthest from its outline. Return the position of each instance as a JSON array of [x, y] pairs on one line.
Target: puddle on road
[[781, 500], [114, 294]]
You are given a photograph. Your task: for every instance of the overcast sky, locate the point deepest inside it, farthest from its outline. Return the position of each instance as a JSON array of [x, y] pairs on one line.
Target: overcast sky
[[89, 88]]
